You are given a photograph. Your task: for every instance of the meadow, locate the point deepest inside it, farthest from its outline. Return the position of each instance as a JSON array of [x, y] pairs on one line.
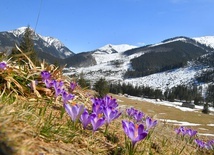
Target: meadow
[[43, 112]]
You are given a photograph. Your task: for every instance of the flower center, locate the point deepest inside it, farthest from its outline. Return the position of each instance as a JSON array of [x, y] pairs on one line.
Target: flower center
[[136, 130], [100, 115]]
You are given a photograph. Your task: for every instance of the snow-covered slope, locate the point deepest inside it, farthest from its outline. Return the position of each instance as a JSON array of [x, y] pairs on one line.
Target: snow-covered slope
[[207, 40], [113, 65], [169, 41], [18, 32], [110, 53], [168, 79]]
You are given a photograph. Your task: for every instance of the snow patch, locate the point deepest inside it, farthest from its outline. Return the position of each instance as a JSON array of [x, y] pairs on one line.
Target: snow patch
[[207, 40], [18, 32], [179, 123]]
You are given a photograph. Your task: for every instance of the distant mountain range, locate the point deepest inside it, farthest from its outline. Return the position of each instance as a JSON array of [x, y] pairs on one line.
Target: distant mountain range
[[172, 62], [48, 45], [162, 65]]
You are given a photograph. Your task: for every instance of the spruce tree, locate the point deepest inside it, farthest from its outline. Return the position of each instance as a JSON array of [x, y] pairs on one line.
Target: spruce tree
[[101, 87], [27, 47]]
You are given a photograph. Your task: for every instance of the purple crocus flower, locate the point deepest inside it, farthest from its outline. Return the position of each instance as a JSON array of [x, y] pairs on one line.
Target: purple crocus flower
[[58, 87], [106, 101], [191, 132], [138, 116], [85, 118], [200, 143], [46, 78], [66, 96], [45, 75], [134, 131], [3, 65], [96, 121], [110, 114], [110, 102], [73, 85], [209, 145], [150, 123], [97, 107], [48, 83], [131, 111], [98, 101], [181, 130], [74, 111]]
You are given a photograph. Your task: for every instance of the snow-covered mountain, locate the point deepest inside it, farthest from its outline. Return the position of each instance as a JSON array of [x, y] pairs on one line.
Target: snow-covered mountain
[[109, 48], [113, 65], [49, 45]]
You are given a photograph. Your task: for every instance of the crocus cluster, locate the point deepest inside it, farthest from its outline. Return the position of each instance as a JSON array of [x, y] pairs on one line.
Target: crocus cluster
[[104, 111], [185, 131], [139, 128], [209, 145], [58, 87], [139, 117], [3, 65]]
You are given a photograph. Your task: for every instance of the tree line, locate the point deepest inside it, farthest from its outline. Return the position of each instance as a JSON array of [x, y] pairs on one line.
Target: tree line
[[181, 93]]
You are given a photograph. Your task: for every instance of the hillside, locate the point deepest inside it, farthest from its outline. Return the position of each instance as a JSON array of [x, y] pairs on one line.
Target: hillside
[[173, 62], [35, 118], [170, 54]]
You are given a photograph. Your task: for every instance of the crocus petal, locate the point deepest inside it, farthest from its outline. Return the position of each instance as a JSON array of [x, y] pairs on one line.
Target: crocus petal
[[110, 114], [125, 125], [68, 109], [85, 119], [48, 83], [97, 108], [3, 65], [96, 122], [149, 123], [75, 111], [73, 85], [138, 116]]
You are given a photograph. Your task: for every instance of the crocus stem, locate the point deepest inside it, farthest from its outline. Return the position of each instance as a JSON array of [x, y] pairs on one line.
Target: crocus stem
[[131, 151], [106, 130]]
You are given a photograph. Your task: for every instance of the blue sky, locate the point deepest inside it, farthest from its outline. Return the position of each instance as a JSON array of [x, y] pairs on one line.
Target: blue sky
[[84, 25]]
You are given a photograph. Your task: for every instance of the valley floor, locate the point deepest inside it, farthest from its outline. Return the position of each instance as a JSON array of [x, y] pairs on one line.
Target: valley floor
[[172, 113]]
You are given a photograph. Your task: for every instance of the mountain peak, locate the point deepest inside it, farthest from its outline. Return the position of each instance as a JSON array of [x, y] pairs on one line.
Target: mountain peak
[[109, 48], [19, 31], [50, 45]]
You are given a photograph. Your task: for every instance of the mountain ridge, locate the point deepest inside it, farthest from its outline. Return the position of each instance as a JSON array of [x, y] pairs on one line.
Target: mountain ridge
[[48, 45], [114, 62]]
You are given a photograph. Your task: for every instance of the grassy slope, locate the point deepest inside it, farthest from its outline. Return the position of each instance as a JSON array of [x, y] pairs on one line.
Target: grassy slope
[[34, 122]]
